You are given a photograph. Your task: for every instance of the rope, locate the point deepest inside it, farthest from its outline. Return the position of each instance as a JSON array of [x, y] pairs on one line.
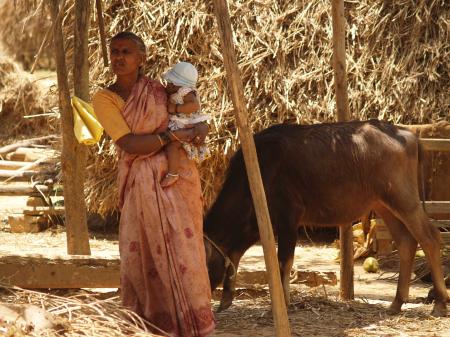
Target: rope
[[227, 261]]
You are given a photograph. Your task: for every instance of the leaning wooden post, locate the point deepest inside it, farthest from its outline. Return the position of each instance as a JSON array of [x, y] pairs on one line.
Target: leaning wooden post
[[253, 172], [340, 85], [73, 156]]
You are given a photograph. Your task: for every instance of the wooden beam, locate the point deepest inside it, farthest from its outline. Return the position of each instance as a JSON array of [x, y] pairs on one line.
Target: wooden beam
[[24, 143], [434, 144], [11, 165], [440, 223], [21, 189], [75, 271], [18, 174], [44, 210], [437, 207], [31, 154], [101, 28], [445, 236], [340, 86], [77, 235], [253, 172]]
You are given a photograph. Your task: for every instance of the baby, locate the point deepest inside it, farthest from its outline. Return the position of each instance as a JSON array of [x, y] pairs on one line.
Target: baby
[[184, 109]]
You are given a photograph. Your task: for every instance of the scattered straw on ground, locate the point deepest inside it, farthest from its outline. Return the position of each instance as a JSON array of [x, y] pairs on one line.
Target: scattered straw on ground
[[80, 313], [312, 314]]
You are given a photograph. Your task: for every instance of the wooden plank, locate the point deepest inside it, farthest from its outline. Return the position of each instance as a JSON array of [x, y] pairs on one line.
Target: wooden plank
[[11, 165], [16, 174], [71, 271], [441, 223], [437, 207], [21, 189], [340, 86], [27, 142], [236, 88], [44, 211], [383, 239], [434, 144], [31, 154], [445, 238]]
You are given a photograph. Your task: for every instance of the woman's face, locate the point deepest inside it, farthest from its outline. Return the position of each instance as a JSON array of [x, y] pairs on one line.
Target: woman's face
[[125, 56]]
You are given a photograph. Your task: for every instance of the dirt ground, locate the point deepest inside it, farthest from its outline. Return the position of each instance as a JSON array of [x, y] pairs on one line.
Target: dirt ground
[[313, 311]]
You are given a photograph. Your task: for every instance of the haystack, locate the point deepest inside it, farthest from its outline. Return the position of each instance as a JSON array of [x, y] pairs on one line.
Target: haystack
[[397, 62], [397, 53], [21, 100], [22, 30]]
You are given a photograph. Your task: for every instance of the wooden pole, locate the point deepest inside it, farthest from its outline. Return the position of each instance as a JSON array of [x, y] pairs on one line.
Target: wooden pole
[[73, 154], [340, 85], [254, 176], [101, 27]]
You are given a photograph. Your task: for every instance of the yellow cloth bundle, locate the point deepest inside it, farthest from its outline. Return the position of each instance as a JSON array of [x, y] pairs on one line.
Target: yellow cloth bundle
[[87, 129]]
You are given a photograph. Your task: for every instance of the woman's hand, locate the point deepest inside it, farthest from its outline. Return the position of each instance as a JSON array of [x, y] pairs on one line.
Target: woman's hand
[[184, 135], [200, 131]]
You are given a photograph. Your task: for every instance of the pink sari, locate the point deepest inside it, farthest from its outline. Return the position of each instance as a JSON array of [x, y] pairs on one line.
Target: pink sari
[[163, 269]]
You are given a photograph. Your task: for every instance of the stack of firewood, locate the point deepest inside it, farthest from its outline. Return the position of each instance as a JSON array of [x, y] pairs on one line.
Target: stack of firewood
[[28, 168]]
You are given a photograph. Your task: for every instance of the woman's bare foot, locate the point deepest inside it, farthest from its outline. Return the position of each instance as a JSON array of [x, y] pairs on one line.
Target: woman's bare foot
[[169, 179]]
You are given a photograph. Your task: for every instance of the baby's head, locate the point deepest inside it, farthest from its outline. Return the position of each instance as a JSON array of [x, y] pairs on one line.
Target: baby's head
[[182, 74]]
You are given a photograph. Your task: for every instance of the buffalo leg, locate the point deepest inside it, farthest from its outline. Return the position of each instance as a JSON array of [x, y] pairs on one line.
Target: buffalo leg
[[429, 239], [229, 283], [286, 249], [406, 245]]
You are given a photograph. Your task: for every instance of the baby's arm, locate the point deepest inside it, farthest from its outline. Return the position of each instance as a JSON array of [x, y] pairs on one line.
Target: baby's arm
[[190, 105]]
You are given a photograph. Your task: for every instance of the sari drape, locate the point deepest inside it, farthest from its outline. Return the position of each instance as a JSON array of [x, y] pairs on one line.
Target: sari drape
[[164, 277]]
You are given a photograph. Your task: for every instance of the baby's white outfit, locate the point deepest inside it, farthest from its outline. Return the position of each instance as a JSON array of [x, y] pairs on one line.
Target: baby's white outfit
[[180, 121]]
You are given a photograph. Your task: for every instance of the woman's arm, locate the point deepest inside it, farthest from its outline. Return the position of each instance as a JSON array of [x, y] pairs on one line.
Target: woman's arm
[[190, 105], [149, 143]]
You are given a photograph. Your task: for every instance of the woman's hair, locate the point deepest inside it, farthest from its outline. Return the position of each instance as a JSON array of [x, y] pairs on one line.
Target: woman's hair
[[133, 37], [136, 39]]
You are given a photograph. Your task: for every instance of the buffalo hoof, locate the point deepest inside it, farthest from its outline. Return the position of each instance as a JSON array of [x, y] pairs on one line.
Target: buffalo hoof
[[225, 302], [439, 310]]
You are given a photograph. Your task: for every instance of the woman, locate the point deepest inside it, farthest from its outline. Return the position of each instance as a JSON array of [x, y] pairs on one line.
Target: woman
[[163, 269]]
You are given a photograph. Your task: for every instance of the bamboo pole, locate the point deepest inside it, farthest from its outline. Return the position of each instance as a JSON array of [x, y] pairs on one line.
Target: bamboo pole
[[101, 28], [75, 219], [251, 162], [340, 85]]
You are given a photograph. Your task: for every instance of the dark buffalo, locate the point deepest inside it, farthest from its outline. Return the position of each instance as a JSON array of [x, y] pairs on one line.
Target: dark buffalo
[[325, 175]]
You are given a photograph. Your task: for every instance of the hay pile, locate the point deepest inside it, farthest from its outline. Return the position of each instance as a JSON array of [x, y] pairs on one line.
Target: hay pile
[[20, 96], [397, 61], [77, 312], [22, 29]]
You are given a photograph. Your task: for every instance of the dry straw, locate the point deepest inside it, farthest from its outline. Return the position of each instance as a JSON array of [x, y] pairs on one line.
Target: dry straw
[[22, 96], [77, 313], [398, 55]]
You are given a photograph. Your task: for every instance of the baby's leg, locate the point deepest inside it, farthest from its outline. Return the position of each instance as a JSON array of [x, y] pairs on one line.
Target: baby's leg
[[173, 160]]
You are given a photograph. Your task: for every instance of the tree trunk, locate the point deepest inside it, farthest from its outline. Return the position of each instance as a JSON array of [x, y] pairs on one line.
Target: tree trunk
[[73, 156], [340, 85]]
